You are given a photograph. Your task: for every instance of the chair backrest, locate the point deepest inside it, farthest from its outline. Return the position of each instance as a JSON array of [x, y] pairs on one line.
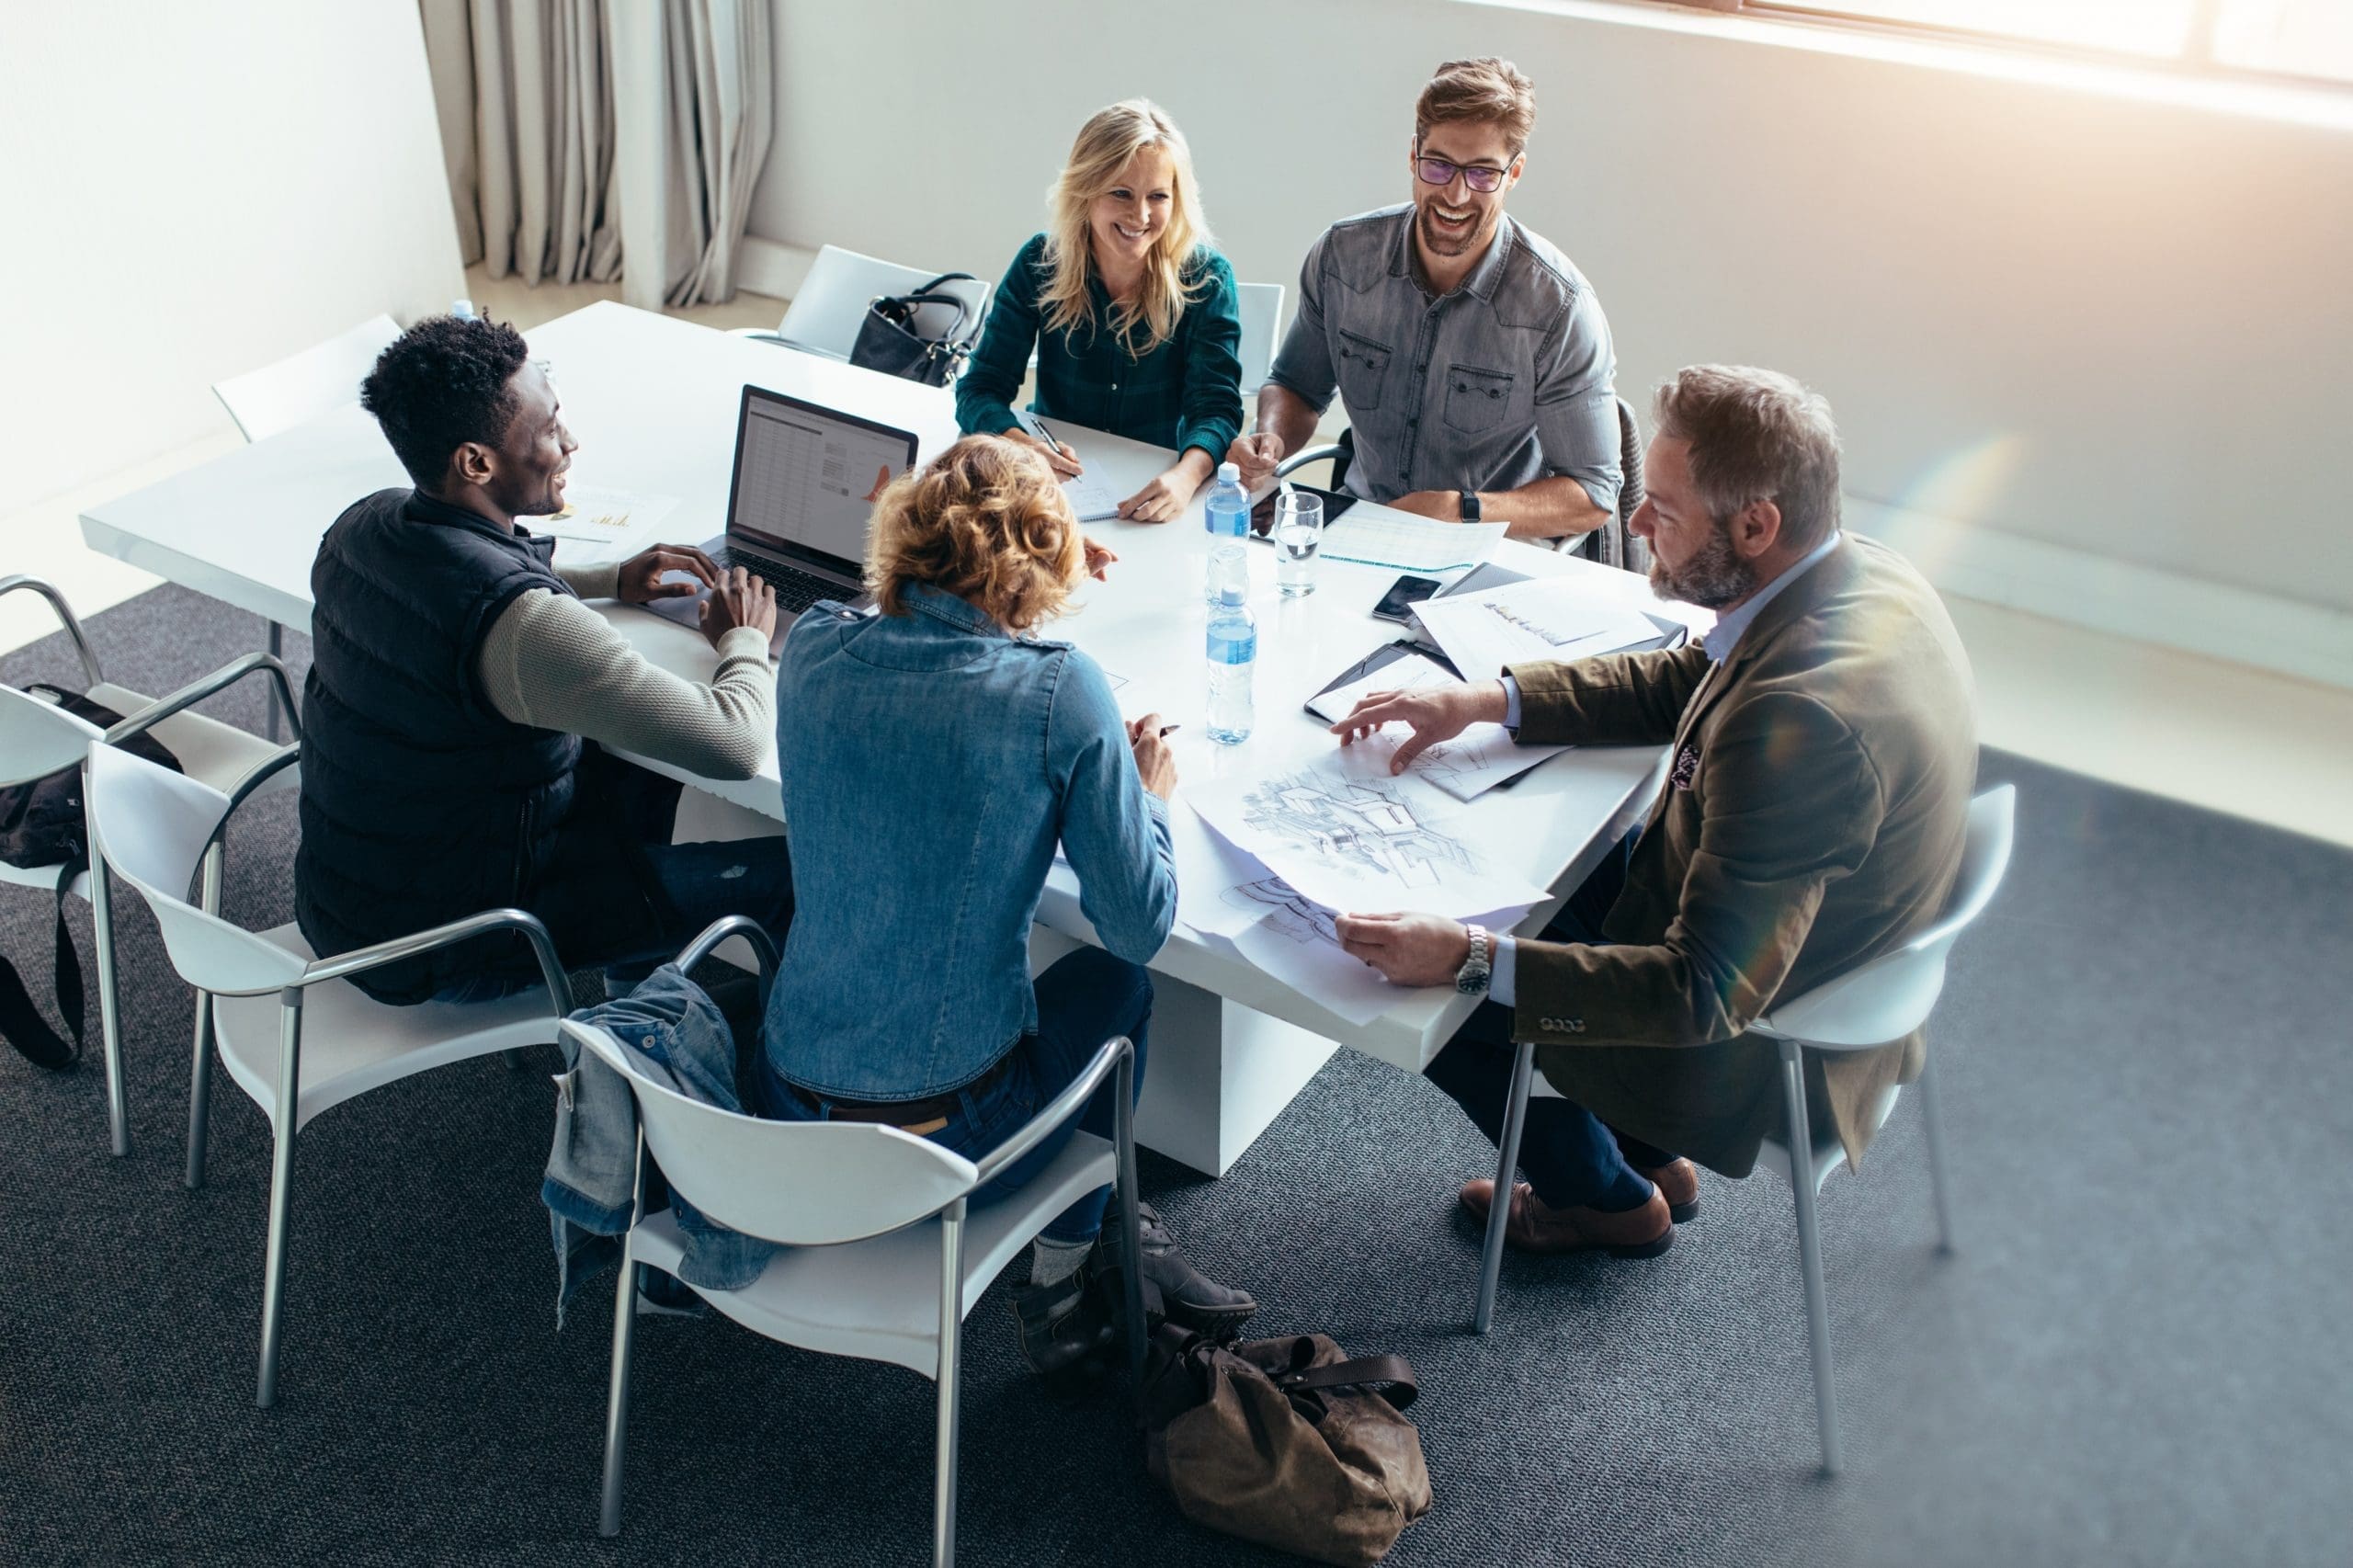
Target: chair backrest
[[151, 825], [303, 386], [38, 738], [829, 305], [798, 1182], [1891, 996], [1261, 309]]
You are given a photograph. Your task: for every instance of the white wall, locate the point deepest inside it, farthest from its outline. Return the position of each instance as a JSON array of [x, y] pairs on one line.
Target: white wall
[[2045, 312], [188, 192]]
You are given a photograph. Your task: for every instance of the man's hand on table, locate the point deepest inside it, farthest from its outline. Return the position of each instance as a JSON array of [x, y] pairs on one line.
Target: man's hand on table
[[641, 575], [1433, 714], [1408, 950], [738, 599]]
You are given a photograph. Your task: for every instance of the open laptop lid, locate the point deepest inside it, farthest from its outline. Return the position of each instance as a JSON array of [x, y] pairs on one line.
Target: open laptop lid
[[805, 480]]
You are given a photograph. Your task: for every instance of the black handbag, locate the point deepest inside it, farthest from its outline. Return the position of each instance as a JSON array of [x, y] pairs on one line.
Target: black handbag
[[41, 825], [896, 337]]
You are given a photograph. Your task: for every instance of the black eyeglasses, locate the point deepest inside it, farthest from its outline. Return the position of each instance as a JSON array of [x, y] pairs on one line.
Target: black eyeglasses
[[1484, 179]]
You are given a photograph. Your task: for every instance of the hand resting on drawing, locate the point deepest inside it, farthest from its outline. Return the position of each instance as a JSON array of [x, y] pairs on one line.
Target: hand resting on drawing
[[1408, 950], [1433, 714]]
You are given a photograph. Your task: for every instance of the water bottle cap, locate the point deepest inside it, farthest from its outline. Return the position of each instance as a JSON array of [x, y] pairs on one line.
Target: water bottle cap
[[462, 309], [1229, 473], [1230, 595]]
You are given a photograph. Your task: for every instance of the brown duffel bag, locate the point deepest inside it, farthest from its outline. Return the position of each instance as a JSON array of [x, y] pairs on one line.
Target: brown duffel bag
[[1286, 1442]]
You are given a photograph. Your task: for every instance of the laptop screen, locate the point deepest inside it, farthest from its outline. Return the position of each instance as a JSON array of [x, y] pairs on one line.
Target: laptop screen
[[806, 478]]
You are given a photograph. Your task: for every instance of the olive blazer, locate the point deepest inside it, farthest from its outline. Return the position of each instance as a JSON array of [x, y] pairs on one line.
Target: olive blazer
[[1812, 819]]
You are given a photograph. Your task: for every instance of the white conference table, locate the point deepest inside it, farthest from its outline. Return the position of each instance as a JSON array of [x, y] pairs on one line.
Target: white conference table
[[653, 403]]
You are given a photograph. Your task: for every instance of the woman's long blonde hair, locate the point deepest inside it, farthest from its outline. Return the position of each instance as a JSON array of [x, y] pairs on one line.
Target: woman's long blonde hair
[[985, 520], [1105, 143]]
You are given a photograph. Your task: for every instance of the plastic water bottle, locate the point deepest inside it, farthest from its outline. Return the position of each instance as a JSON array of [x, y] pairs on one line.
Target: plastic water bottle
[[1232, 648], [1227, 518]]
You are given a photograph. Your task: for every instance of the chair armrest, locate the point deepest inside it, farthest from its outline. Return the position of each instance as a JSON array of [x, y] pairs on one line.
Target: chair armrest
[[65, 617], [359, 960], [196, 691], [1312, 455], [260, 774], [719, 930], [1065, 1106]]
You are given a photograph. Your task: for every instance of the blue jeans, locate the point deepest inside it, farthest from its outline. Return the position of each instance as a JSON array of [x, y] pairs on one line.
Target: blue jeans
[[1083, 999]]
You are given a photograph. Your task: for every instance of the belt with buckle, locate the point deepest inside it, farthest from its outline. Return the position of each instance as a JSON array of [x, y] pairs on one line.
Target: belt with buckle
[[921, 1118]]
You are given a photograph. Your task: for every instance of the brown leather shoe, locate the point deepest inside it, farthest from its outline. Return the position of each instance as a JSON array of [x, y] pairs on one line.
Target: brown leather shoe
[[1643, 1232], [1679, 1182]]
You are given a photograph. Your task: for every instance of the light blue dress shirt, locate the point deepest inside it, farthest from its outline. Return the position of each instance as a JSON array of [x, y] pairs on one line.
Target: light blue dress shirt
[[1720, 639]]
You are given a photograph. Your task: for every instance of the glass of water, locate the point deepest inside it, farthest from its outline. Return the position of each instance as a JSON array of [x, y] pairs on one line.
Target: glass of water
[[1299, 533]]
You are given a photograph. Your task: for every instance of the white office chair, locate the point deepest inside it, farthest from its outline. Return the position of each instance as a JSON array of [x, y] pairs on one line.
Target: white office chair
[[299, 387], [293, 1032], [1865, 1008], [829, 305], [37, 738], [1261, 309], [885, 1259]]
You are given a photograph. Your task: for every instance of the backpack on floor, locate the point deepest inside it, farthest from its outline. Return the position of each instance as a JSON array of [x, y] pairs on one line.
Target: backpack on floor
[[41, 825]]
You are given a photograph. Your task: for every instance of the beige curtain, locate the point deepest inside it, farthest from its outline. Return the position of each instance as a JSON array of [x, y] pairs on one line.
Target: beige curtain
[[552, 109]]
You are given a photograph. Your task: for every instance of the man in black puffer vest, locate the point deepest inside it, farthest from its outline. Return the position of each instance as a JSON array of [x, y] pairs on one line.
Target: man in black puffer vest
[[459, 686]]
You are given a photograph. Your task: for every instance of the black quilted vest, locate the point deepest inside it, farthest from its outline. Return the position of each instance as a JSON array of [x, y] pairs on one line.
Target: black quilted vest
[[420, 804]]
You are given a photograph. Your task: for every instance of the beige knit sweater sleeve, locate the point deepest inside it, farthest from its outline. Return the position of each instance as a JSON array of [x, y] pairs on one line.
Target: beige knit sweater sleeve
[[550, 662]]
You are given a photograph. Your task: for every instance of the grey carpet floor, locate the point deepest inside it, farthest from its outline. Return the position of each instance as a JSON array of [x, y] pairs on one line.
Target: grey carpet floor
[[2137, 1356]]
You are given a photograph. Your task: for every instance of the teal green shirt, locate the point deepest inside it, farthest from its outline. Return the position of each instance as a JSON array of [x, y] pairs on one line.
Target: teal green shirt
[[1187, 392]]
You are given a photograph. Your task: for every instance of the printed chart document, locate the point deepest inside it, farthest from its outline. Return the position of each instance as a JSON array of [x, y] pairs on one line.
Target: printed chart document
[[1382, 538], [612, 524], [1472, 763], [1543, 618]]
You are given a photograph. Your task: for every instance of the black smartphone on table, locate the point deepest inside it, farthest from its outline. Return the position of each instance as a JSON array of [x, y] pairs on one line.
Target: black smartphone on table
[[1404, 593]]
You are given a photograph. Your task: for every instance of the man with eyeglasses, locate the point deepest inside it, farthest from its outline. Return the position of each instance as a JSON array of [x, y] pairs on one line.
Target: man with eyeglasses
[[1471, 356]]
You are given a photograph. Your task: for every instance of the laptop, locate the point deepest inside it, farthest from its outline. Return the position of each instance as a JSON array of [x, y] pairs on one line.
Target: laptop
[[797, 511]]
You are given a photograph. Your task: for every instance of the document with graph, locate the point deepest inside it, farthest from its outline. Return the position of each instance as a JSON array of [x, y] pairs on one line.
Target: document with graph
[[1555, 619], [1375, 536]]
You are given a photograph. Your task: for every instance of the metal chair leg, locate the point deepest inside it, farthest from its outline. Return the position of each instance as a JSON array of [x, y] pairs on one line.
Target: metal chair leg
[[1817, 1304], [1491, 1262], [269, 700], [1940, 1185], [199, 1072], [1123, 1138], [287, 1112], [609, 1522], [952, 1335], [110, 1007]]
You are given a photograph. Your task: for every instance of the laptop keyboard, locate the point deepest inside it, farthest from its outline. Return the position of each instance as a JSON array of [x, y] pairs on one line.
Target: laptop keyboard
[[795, 590]]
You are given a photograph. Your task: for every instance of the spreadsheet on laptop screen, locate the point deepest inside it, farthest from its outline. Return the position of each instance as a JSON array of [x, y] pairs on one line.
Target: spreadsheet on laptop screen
[[809, 480]]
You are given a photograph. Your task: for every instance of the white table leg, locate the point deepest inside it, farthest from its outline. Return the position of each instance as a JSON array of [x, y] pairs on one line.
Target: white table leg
[[1217, 1073]]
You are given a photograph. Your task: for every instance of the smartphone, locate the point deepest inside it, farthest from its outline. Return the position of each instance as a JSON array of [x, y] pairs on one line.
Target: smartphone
[[1404, 593]]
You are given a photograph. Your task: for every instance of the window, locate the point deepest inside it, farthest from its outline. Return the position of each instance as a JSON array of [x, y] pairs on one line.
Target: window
[[2292, 38]]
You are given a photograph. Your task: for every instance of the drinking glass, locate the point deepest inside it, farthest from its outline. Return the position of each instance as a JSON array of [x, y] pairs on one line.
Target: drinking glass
[[1299, 532]]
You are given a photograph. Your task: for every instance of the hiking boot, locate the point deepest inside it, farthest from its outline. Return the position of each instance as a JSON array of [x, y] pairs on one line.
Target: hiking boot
[[1186, 1297], [1066, 1335]]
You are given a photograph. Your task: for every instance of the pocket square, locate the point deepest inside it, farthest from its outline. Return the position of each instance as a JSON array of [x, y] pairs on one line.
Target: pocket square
[[1687, 768]]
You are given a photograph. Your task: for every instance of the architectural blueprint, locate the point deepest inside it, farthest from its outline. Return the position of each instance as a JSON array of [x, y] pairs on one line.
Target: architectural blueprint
[[1478, 759]]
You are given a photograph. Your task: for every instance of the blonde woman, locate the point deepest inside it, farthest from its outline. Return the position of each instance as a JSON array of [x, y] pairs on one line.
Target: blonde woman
[[1132, 314], [932, 757]]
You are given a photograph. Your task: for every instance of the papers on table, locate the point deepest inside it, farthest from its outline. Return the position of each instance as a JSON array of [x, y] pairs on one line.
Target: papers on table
[[612, 524], [1090, 498], [1543, 618], [1382, 538], [1473, 762]]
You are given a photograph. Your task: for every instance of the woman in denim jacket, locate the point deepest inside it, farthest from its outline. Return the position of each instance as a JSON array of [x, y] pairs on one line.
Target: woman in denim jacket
[[932, 758]]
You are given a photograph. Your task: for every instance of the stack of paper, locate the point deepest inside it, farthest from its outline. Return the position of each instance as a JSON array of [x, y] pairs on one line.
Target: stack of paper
[[1378, 537], [1472, 763], [611, 524], [1555, 618]]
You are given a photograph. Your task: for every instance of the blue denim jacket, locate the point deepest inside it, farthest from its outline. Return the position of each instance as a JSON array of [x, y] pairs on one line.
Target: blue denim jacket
[[930, 762], [591, 1179]]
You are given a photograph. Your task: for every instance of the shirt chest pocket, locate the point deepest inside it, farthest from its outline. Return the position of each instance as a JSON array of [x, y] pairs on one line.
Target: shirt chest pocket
[[1476, 400], [1363, 371]]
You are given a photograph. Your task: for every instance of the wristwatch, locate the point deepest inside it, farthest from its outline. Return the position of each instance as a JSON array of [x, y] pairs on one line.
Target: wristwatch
[[1469, 505], [1476, 970]]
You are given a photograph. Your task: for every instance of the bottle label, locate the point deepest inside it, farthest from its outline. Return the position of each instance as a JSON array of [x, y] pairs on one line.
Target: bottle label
[[1232, 644]]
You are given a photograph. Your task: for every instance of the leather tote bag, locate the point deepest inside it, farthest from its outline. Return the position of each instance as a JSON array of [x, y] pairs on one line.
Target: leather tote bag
[[906, 334], [1286, 1442]]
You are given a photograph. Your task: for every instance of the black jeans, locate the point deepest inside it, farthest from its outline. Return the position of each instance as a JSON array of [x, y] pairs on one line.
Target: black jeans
[[1571, 1157], [616, 894]]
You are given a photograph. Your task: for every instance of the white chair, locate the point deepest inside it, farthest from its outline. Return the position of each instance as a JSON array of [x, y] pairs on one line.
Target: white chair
[[299, 387], [292, 1030], [829, 305], [1260, 306], [38, 738], [886, 1259], [1866, 1008]]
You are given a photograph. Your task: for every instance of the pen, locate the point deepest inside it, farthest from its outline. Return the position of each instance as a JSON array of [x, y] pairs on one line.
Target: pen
[[1170, 729], [1050, 438]]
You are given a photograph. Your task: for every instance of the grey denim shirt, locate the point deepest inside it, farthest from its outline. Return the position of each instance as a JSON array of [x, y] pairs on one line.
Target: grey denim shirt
[[1509, 380]]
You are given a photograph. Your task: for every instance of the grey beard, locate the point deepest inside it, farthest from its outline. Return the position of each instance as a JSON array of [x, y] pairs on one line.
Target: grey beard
[[1712, 579]]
